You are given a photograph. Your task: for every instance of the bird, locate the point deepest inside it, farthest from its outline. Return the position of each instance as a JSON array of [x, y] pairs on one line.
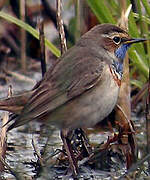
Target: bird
[[82, 88]]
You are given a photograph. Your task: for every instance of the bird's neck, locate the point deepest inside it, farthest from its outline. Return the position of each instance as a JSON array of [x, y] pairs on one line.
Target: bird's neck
[[117, 67], [120, 55]]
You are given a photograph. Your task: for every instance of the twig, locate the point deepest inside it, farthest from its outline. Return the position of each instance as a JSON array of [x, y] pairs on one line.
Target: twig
[[23, 36], [78, 19], [51, 13], [61, 27], [135, 166], [148, 119], [123, 21], [125, 116], [45, 148], [3, 139], [20, 77], [3, 134], [138, 96], [42, 48], [3, 143], [38, 155]]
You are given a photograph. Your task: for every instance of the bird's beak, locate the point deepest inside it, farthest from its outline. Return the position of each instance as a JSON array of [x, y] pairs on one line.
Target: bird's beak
[[134, 40]]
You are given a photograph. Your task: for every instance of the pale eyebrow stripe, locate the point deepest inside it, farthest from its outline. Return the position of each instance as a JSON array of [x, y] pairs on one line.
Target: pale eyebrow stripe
[[110, 35]]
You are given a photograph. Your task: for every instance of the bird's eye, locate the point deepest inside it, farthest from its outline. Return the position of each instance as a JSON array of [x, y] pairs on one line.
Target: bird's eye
[[117, 39]]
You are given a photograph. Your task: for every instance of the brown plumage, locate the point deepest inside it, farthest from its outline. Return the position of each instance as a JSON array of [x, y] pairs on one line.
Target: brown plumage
[[80, 90]]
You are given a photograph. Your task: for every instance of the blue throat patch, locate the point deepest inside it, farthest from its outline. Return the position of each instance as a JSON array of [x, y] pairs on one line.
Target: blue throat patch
[[120, 54], [121, 51]]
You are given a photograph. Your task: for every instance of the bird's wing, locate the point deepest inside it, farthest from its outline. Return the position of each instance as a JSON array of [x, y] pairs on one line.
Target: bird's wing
[[71, 77]]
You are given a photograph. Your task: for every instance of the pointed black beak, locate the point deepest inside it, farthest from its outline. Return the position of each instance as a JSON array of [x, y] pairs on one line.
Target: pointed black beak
[[135, 40]]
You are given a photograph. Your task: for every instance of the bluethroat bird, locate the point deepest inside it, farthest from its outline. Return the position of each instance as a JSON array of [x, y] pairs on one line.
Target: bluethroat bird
[[82, 89]]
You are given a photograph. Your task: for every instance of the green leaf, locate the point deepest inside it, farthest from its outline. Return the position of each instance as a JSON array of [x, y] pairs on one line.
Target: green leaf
[[101, 11], [137, 83], [31, 30], [139, 63], [146, 6], [134, 32], [144, 18]]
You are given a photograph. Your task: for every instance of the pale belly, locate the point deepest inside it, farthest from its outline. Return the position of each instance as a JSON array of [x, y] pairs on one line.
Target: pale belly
[[89, 108]]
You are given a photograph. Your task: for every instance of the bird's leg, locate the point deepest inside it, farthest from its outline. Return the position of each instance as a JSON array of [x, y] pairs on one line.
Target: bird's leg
[[69, 151]]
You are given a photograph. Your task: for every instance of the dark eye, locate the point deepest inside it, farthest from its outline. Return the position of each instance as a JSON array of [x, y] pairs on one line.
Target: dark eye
[[117, 39]]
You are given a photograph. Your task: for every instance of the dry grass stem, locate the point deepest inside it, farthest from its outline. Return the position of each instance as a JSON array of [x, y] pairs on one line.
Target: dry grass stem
[[42, 48], [38, 155], [20, 77], [148, 119], [3, 134], [23, 36], [61, 27]]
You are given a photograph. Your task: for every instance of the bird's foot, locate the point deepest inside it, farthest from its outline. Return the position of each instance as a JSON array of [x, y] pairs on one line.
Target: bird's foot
[[69, 151]]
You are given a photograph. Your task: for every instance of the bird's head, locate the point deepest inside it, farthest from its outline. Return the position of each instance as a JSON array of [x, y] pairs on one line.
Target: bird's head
[[113, 41], [117, 41]]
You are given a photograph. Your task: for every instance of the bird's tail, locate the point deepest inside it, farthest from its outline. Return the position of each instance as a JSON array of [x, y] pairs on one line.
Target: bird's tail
[[16, 103], [14, 118]]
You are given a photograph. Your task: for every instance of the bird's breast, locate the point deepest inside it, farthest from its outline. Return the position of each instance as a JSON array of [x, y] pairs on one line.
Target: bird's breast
[[102, 99], [92, 106]]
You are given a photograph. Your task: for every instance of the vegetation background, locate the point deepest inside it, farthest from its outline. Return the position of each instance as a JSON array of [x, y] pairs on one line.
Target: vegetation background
[[20, 52]]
